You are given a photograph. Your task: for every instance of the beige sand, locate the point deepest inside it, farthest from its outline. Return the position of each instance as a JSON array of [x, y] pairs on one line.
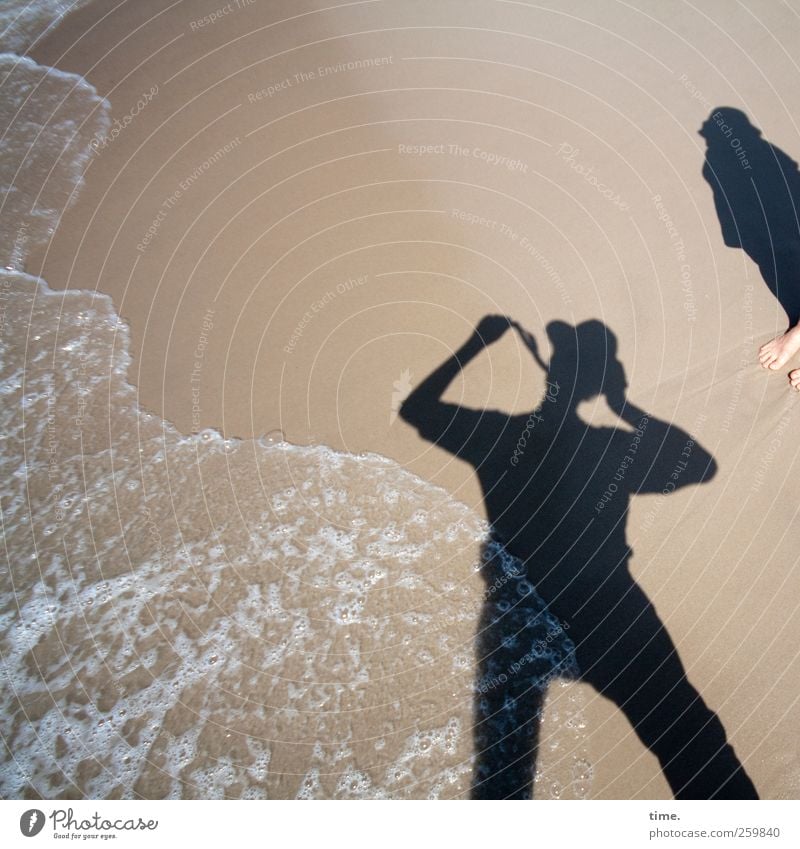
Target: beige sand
[[269, 200]]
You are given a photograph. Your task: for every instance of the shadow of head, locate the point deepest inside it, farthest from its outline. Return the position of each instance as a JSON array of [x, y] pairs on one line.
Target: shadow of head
[[726, 123], [584, 360]]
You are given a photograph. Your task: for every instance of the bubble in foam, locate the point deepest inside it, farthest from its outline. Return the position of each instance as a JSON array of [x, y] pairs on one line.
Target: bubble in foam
[[271, 439], [310, 785], [582, 772]]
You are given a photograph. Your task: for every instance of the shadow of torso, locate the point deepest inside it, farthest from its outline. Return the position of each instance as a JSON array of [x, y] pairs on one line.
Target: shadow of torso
[[557, 492]]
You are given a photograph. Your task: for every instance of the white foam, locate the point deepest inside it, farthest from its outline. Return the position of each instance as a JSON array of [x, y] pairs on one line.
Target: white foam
[[48, 118], [22, 24]]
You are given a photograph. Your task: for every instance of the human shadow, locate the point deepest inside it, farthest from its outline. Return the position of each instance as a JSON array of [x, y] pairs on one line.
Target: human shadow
[[756, 190], [557, 491]]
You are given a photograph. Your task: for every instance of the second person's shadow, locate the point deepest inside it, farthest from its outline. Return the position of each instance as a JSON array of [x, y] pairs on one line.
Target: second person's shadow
[[756, 189], [557, 491]]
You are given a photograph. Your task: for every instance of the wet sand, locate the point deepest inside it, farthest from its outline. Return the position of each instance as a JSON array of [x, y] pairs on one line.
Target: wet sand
[[294, 241]]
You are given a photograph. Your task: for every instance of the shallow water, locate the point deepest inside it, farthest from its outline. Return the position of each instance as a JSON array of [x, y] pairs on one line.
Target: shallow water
[[48, 119]]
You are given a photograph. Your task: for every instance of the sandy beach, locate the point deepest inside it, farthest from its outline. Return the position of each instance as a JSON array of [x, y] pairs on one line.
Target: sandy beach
[[265, 580]]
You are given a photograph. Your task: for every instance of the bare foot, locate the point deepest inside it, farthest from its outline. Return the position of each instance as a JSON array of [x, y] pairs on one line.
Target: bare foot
[[794, 379], [780, 350]]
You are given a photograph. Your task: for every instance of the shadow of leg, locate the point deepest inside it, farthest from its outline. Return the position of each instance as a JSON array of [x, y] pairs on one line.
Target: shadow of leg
[[507, 712], [631, 659], [781, 272], [520, 648]]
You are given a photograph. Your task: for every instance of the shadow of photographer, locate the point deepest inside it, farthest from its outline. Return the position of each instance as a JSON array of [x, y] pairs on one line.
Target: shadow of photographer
[[560, 598]]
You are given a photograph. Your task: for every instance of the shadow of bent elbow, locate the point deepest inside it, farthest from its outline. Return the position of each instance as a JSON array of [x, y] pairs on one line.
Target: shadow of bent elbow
[[410, 412], [710, 470]]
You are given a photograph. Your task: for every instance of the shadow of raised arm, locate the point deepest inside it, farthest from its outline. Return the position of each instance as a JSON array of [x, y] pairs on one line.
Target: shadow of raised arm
[[450, 425]]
